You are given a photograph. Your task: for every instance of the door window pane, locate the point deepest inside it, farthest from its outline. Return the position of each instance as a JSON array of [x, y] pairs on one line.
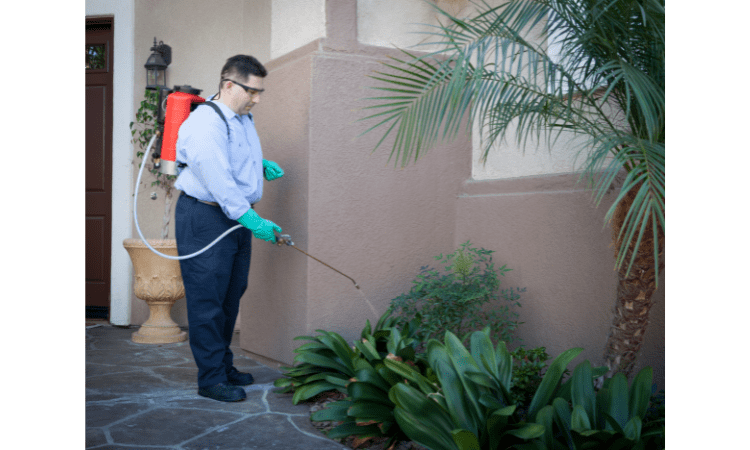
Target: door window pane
[[96, 56]]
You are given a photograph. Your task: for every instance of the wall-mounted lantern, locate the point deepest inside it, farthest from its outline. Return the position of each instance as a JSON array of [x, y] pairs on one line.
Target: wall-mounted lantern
[[156, 66]]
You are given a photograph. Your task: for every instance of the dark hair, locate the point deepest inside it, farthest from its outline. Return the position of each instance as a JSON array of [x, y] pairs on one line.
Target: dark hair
[[242, 66]]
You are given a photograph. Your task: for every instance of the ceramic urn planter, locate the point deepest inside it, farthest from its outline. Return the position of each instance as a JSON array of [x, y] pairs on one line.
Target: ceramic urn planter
[[158, 282]]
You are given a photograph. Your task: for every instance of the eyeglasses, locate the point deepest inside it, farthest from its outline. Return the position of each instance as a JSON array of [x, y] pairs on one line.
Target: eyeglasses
[[251, 91]]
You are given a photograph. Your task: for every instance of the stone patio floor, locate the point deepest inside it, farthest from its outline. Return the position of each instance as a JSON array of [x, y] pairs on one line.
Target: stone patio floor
[[145, 396]]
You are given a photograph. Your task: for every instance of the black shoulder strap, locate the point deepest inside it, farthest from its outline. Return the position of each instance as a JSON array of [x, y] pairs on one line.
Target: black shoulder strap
[[218, 111], [221, 114]]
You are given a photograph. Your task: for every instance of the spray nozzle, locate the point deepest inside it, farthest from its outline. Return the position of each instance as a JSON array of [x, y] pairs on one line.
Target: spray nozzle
[[284, 239]]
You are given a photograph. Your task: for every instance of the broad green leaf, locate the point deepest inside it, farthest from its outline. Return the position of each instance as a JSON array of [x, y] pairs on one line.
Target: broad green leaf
[[371, 411], [462, 363], [603, 400], [406, 352], [323, 361], [465, 440], [319, 376], [334, 411], [339, 346], [496, 424], [368, 350], [337, 380], [306, 338], [582, 391], [393, 341], [282, 382], [306, 369], [459, 406], [368, 392], [482, 379], [504, 365], [310, 390], [484, 353], [614, 426], [640, 393], [548, 385], [310, 346], [352, 429], [363, 364], [545, 417], [618, 399], [410, 374], [528, 431], [579, 419], [633, 428], [491, 402], [463, 404], [422, 431], [562, 418], [372, 377], [367, 330], [388, 375], [422, 419]]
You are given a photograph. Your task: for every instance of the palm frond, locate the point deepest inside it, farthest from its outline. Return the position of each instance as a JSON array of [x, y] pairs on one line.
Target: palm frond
[[496, 69]]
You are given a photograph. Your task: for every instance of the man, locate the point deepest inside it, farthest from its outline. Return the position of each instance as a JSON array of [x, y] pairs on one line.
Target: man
[[221, 182]]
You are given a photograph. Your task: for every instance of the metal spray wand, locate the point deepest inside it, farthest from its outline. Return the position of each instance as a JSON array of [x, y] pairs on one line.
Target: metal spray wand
[[286, 239]]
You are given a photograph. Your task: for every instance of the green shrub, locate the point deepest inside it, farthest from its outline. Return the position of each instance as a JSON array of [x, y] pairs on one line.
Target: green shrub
[[326, 363], [615, 417], [529, 366], [456, 300], [368, 411], [487, 398], [473, 407]]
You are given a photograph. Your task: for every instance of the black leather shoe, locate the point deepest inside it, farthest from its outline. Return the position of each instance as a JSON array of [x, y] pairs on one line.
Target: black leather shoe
[[223, 392], [237, 378]]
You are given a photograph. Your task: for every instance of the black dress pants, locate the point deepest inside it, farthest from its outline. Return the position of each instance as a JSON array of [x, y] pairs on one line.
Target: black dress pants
[[214, 283]]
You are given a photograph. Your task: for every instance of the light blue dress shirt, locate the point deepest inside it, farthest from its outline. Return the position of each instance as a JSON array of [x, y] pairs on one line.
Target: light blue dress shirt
[[228, 172]]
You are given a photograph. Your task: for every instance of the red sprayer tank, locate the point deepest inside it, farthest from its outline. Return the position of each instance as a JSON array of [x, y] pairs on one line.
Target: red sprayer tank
[[178, 109]]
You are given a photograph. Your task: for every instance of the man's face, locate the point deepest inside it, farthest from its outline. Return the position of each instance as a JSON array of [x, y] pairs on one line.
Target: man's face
[[248, 93]]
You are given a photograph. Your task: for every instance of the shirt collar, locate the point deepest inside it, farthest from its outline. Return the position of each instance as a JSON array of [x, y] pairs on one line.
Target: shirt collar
[[227, 110]]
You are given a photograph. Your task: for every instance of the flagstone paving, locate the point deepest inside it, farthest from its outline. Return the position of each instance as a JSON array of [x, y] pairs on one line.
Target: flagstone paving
[[145, 396]]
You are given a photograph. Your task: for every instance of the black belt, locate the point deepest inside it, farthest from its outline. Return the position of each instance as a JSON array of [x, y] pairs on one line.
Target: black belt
[[202, 201], [207, 203]]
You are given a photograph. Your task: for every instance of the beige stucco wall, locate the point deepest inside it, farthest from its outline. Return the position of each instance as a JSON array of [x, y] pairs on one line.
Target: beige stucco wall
[[273, 309], [296, 23], [378, 224], [548, 231], [400, 23], [524, 202], [342, 205], [403, 24]]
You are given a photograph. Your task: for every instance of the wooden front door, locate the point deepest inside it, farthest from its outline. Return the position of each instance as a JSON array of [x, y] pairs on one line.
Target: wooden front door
[[99, 58]]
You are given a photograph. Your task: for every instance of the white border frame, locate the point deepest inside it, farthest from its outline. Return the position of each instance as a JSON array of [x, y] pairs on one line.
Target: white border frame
[[122, 152]]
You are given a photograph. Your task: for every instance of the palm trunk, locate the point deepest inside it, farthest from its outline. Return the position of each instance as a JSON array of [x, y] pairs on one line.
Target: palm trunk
[[634, 292]]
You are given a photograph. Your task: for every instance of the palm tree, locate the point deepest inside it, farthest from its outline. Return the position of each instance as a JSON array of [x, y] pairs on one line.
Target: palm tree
[[493, 69]]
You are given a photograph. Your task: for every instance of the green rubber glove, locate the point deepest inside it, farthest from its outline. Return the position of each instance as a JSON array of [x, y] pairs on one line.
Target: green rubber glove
[[271, 170], [261, 228]]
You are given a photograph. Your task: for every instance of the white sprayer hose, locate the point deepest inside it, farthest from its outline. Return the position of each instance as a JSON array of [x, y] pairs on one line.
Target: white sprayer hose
[[135, 215]]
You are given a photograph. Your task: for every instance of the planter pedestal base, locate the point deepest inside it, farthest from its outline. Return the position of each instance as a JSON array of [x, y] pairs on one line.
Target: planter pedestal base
[[159, 328]]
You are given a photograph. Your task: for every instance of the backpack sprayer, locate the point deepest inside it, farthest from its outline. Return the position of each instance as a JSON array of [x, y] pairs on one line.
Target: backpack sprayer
[[173, 108]]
